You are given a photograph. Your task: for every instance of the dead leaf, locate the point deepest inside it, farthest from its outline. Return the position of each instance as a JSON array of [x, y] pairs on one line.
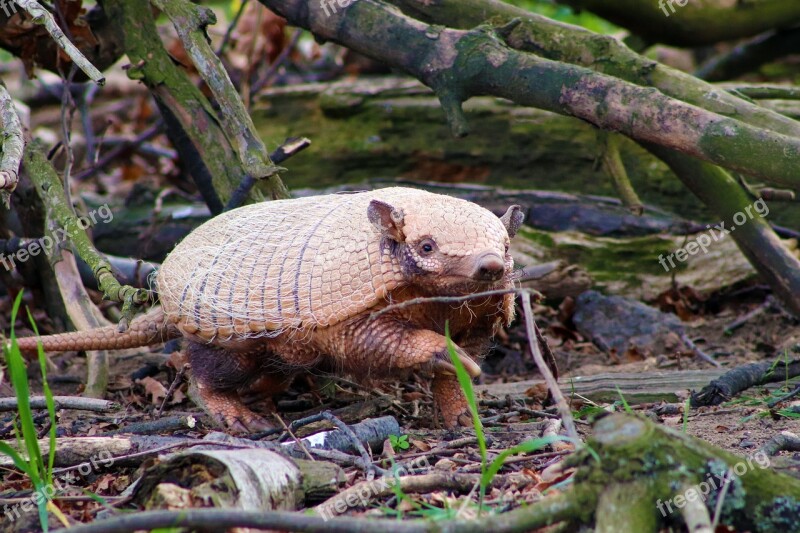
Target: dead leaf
[[105, 482], [420, 445], [537, 392], [445, 464], [412, 396], [154, 390]]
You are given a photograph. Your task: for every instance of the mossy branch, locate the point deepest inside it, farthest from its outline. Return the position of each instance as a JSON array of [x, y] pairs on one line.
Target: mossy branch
[[460, 64], [42, 16], [756, 239], [563, 42], [51, 192], [192, 124], [664, 460], [693, 23], [615, 167], [190, 21]]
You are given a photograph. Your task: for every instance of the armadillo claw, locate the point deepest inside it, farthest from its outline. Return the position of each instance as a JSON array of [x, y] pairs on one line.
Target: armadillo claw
[[444, 366], [243, 422], [228, 411]]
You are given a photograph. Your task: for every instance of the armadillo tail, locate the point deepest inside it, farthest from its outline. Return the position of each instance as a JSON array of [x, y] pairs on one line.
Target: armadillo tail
[[150, 328]]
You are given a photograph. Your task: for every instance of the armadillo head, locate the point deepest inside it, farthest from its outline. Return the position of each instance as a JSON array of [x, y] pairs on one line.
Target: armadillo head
[[448, 248]]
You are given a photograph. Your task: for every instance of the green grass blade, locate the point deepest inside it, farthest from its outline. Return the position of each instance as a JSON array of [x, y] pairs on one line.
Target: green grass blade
[[524, 447], [36, 469], [465, 381], [19, 380], [19, 461], [466, 385], [51, 404], [624, 401]]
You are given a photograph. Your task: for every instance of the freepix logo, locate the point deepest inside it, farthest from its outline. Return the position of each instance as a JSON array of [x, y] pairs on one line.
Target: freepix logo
[[704, 240], [329, 6], [46, 243], [9, 7], [60, 485], [664, 4]]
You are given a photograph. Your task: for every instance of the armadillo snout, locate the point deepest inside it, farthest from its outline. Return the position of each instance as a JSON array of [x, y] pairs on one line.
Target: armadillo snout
[[490, 267]]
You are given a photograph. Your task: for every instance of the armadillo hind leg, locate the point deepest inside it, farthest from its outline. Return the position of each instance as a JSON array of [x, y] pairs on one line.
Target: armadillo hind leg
[[219, 375], [265, 387]]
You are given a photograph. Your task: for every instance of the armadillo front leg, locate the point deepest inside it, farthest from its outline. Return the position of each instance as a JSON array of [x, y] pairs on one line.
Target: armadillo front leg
[[378, 347], [450, 401]]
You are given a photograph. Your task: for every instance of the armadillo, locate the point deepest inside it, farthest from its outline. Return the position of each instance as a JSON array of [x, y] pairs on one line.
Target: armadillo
[[267, 291]]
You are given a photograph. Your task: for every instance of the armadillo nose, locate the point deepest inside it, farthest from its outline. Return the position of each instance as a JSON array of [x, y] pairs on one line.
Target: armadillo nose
[[491, 267]]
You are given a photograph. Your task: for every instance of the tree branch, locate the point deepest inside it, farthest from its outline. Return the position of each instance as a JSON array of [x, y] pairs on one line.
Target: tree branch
[[190, 22], [603, 53], [41, 16], [692, 23], [459, 64]]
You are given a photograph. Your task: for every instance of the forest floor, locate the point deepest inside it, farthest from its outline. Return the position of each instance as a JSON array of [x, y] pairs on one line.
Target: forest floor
[[139, 381]]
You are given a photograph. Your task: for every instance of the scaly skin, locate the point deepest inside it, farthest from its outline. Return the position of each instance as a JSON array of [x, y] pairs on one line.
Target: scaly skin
[[147, 329]]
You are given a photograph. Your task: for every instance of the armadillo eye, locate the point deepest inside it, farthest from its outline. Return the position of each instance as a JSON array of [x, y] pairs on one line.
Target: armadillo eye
[[426, 247]]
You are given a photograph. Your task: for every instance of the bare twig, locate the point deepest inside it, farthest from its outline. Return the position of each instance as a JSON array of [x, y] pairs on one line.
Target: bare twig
[[290, 147], [450, 299], [742, 320], [555, 509], [62, 402], [552, 384], [42, 16], [273, 68], [113, 153], [167, 424], [232, 26], [697, 351], [175, 382], [294, 437], [785, 397], [67, 112], [418, 484], [726, 483]]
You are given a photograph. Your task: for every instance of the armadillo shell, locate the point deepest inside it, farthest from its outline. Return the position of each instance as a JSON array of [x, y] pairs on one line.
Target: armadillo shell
[[266, 268]]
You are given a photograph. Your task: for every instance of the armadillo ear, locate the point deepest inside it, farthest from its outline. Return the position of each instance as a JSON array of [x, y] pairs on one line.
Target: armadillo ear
[[512, 220], [387, 219]]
